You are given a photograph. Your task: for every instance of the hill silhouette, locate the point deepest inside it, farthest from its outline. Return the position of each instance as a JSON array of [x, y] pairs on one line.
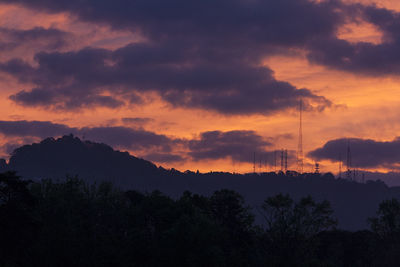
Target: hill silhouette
[[53, 158], [68, 155]]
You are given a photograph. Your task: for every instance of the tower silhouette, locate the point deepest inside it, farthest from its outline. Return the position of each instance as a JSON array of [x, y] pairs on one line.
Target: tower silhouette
[[254, 162], [286, 163], [300, 145], [348, 163]]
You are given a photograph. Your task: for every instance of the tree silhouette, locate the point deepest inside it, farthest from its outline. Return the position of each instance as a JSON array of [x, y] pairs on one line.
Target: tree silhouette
[[72, 223], [387, 228], [387, 222], [18, 225], [290, 227], [287, 219]]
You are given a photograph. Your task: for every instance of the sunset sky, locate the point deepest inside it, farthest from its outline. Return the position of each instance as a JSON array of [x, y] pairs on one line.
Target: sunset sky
[[205, 84]]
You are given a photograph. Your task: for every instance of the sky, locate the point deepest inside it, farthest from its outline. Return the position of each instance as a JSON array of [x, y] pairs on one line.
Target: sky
[[203, 85]]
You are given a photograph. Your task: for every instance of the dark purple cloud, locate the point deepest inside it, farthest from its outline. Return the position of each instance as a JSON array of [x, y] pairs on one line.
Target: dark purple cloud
[[365, 153], [128, 138], [36, 33], [237, 145], [137, 121], [221, 21], [48, 39], [180, 75], [134, 139], [362, 57], [41, 129], [203, 54], [164, 157], [199, 54]]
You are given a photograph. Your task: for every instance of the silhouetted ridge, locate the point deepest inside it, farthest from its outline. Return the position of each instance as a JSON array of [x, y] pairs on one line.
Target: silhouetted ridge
[[68, 155], [53, 158]]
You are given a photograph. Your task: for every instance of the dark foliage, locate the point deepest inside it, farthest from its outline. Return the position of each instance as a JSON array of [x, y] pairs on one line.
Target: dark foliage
[[18, 225], [291, 227], [72, 223]]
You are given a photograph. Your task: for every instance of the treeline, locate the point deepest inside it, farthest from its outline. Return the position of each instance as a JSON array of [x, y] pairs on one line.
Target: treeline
[[72, 223]]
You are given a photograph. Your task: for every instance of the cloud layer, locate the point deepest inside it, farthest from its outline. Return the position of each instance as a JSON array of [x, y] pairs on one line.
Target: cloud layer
[[202, 54], [180, 75], [248, 30], [365, 153], [47, 39], [239, 145], [214, 145], [362, 57]]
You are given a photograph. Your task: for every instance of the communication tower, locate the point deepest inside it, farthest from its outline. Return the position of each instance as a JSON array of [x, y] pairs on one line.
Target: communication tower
[[348, 173], [286, 163], [300, 145]]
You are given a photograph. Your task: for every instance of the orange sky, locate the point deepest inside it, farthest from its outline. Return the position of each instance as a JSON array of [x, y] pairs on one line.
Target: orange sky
[[365, 107]]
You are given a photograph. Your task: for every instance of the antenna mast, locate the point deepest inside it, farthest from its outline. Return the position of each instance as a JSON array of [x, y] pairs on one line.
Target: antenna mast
[[254, 162], [285, 160], [300, 145], [348, 174]]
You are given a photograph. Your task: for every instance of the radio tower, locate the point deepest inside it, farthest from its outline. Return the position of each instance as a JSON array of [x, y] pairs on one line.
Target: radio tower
[[348, 173], [254, 162], [300, 145], [285, 160]]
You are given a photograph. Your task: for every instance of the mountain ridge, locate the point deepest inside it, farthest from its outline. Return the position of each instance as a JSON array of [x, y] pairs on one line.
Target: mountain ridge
[[68, 155], [353, 202]]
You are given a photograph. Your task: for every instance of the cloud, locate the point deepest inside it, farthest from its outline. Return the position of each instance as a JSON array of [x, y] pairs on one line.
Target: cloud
[[121, 137], [237, 34], [362, 57], [41, 129], [164, 157], [137, 121], [128, 138], [237, 145], [36, 33], [181, 76], [365, 153], [284, 136], [202, 54], [239, 21], [49, 39]]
